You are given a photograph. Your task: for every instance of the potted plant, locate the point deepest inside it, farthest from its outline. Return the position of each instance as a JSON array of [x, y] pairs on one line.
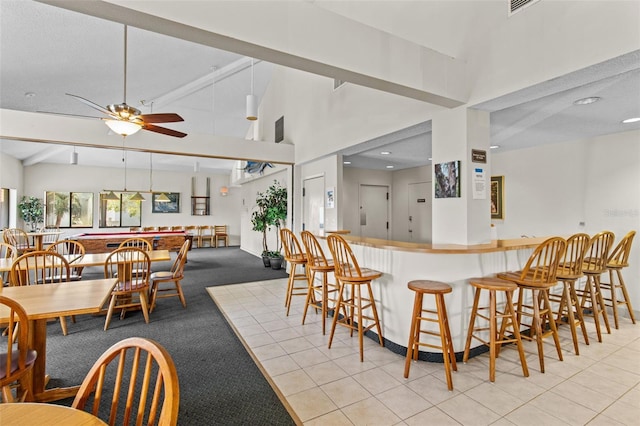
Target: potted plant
[[271, 211], [31, 211]]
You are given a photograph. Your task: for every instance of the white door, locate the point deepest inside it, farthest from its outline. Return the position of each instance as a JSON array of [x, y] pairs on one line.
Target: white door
[[374, 211], [420, 212], [313, 204]]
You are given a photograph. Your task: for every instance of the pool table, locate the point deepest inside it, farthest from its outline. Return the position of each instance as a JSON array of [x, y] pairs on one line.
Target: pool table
[[103, 242]]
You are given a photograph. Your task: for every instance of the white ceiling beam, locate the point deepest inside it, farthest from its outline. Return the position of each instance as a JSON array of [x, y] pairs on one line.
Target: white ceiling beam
[[43, 155], [200, 83], [297, 35]]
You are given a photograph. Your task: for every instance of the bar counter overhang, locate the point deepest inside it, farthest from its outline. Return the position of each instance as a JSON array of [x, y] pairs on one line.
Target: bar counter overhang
[[402, 262]]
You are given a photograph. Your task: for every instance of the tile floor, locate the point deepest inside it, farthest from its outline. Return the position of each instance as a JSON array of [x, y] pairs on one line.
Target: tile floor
[[332, 387]]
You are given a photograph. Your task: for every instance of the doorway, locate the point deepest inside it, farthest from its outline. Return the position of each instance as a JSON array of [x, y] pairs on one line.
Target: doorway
[[420, 212], [313, 204], [374, 211]]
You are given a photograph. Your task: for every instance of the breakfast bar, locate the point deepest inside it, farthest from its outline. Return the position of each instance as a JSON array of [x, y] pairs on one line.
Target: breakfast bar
[[401, 262]]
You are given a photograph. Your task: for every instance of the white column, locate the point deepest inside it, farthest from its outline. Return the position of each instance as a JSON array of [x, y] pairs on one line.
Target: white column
[[463, 219]]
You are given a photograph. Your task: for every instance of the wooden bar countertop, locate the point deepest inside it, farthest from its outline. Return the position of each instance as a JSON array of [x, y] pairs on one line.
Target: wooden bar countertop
[[493, 246]]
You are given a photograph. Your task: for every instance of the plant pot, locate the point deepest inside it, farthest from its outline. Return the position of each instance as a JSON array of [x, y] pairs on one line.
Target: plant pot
[[276, 262], [266, 261]]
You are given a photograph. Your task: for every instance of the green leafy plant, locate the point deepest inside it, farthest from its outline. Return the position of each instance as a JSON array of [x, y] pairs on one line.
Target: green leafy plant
[[31, 211], [271, 211]]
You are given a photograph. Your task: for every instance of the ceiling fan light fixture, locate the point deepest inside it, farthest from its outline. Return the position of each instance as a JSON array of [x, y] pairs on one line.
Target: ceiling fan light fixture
[[137, 197], [123, 128], [162, 198]]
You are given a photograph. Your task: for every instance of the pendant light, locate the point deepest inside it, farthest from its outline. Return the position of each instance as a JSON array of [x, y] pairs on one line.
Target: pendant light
[[111, 196], [162, 198], [252, 103], [74, 157]]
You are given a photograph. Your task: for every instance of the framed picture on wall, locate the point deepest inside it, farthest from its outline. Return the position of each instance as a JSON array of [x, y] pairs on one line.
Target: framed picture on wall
[[447, 180], [497, 197], [162, 206]]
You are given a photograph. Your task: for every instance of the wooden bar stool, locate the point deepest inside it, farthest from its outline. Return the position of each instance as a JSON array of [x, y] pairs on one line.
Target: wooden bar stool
[[570, 271], [438, 289], [296, 257], [508, 317], [537, 277], [349, 274], [318, 263], [595, 264], [618, 260]]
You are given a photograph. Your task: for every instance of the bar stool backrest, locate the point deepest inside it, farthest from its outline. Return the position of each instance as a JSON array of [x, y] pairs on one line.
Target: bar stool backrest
[[595, 260], [542, 266], [315, 254], [345, 262], [292, 248], [620, 255], [571, 263]]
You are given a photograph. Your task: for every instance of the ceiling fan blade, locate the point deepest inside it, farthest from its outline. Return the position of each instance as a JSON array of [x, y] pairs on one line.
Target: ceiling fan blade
[[163, 130], [161, 118], [91, 104], [70, 115]]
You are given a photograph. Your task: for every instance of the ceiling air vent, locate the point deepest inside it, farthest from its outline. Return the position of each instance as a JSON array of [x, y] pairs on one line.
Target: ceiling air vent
[[518, 5]]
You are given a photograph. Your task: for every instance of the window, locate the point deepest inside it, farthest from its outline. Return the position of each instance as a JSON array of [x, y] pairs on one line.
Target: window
[[69, 209], [120, 213]]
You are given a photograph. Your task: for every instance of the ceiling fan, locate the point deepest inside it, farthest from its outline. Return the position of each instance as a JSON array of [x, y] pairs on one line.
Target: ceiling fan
[[126, 120]]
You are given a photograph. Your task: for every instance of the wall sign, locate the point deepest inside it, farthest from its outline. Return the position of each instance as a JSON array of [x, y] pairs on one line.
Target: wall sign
[[478, 156]]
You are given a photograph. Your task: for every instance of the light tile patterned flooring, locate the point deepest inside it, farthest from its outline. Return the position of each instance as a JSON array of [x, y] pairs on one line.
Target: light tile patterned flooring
[[332, 387]]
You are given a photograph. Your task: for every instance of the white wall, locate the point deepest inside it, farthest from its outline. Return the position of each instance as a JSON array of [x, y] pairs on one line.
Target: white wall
[[251, 241], [224, 210], [10, 172], [400, 197], [330, 168], [352, 179]]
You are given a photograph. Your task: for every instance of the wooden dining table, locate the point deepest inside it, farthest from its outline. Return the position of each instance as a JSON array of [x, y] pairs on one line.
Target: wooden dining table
[[94, 259], [31, 413], [43, 302], [38, 237]]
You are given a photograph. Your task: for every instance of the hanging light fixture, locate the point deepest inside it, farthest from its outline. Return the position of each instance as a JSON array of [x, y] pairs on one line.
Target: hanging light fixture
[[111, 196], [124, 127], [162, 198], [252, 103], [74, 157], [137, 196]]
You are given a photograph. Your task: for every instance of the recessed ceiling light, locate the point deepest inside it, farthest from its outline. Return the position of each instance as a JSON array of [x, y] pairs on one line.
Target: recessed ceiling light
[[587, 101], [631, 120], [385, 152], [346, 162], [430, 158], [494, 146], [389, 167], [29, 95]]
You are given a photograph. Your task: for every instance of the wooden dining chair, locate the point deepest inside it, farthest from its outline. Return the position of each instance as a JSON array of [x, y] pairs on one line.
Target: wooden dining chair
[[16, 359], [136, 242], [50, 238], [41, 267], [131, 267], [73, 251], [164, 228], [7, 251], [220, 234], [18, 239], [177, 228], [537, 277], [137, 381], [206, 235], [175, 275]]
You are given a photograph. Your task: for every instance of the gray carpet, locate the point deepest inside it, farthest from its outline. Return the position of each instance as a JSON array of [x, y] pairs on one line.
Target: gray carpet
[[219, 381]]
